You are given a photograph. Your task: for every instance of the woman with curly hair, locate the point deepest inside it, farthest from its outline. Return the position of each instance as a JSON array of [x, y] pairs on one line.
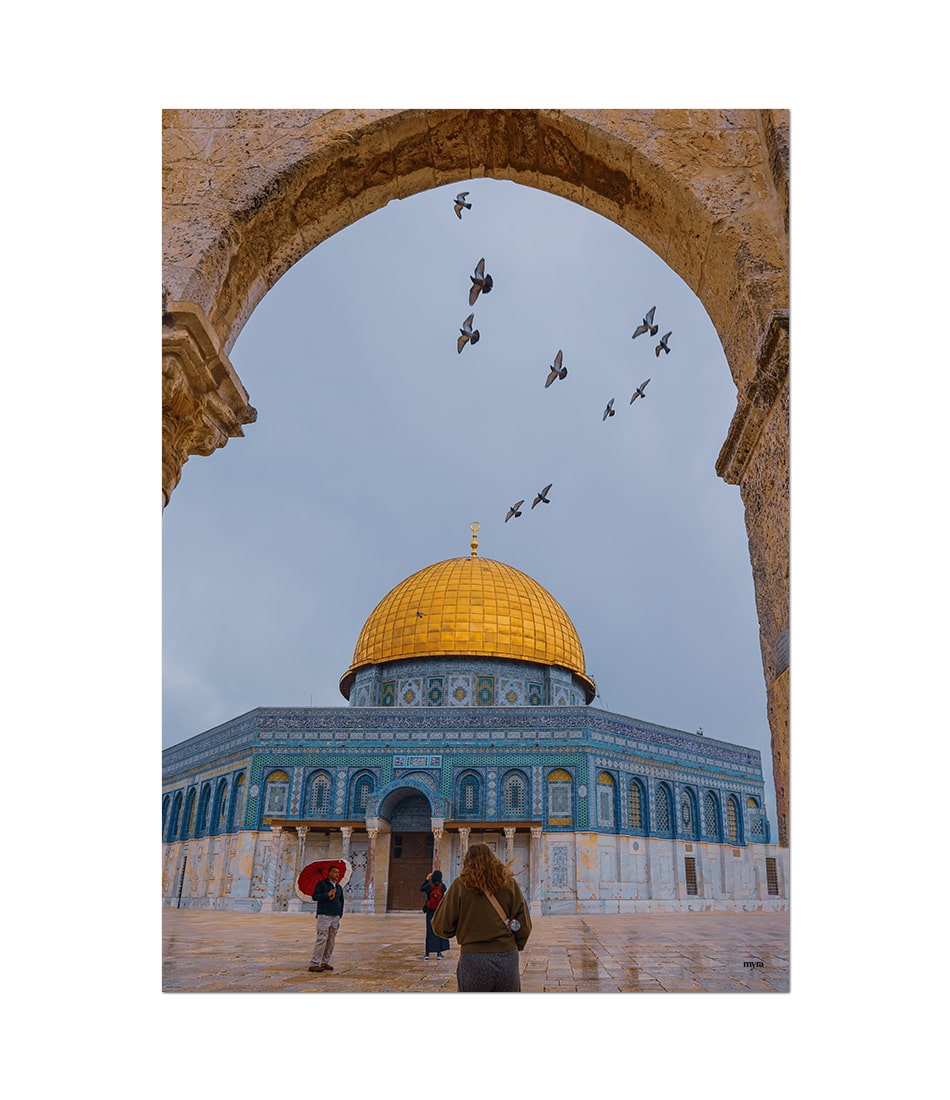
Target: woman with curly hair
[[488, 941]]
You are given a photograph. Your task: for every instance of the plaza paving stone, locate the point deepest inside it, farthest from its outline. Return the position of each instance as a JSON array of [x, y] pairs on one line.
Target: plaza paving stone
[[211, 952]]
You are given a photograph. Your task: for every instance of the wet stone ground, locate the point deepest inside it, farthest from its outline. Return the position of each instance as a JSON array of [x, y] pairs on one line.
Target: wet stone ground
[[209, 952]]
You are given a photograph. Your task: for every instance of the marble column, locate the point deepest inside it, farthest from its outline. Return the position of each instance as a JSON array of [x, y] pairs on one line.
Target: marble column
[[463, 842], [273, 869], [347, 831], [370, 868], [294, 902], [437, 847], [534, 873], [509, 843]]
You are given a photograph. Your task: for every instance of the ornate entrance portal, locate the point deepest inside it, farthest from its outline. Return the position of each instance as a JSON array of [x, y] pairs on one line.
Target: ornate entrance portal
[[411, 851]]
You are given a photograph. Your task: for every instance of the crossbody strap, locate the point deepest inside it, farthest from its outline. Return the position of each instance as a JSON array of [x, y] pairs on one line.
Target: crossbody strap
[[498, 909]]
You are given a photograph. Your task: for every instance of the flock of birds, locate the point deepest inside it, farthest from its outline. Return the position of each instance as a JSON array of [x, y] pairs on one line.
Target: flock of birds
[[482, 283]]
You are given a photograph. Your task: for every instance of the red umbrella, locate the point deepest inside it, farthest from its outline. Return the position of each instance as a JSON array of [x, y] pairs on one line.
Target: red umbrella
[[317, 871]]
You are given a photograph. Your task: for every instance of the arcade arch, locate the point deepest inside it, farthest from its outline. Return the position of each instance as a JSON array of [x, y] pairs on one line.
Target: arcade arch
[[248, 193]]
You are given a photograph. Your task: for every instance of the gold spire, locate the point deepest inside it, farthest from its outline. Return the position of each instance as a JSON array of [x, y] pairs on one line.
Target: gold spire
[[474, 528]]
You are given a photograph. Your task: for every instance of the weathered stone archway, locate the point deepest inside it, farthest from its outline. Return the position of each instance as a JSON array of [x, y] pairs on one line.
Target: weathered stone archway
[[248, 193]]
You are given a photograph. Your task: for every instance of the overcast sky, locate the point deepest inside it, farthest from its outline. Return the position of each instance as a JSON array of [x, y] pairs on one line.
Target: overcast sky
[[377, 444]]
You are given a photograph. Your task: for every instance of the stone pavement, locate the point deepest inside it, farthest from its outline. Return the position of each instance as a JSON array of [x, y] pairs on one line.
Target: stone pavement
[[210, 952]]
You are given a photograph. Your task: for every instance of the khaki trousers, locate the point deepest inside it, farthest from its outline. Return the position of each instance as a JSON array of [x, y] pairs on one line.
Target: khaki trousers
[[327, 928]]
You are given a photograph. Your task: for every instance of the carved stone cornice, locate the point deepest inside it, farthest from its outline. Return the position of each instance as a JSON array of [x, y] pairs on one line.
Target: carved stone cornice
[[204, 403], [771, 370]]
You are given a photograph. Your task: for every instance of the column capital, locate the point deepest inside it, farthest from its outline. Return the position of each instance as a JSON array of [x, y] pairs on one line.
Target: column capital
[[536, 832], [346, 830], [204, 403], [372, 831], [302, 831]]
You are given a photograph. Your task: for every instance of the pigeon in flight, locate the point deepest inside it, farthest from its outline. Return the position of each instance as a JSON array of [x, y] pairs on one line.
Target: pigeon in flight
[[542, 497], [639, 391], [480, 282], [460, 203], [557, 371], [610, 410], [663, 344], [467, 332], [514, 510], [647, 326]]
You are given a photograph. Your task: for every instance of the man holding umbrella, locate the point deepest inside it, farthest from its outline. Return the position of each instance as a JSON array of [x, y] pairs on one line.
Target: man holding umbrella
[[328, 894]]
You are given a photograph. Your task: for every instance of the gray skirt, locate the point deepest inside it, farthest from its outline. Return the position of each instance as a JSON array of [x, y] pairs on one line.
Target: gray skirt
[[489, 973]]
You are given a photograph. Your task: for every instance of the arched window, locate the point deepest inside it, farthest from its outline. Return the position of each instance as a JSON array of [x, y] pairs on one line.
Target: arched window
[[758, 829], [188, 821], [220, 806], [204, 803], [664, 807], [732, 820], [605, 800], [166, 802], [175, 816], [514, 794], [711, 828], [635, 805], [362, 789], [688, 814], [560, 797], [276, 790], [318, 798], [468, 796], [238, 803]]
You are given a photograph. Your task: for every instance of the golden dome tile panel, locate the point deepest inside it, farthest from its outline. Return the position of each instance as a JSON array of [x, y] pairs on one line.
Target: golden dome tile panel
[[470, 607]]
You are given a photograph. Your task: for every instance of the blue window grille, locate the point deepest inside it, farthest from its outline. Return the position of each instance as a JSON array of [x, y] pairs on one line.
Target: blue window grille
[[711, 821], [238, 803], [318, 798], [468, 796], [362, 789], [664, 816], [514, 797]]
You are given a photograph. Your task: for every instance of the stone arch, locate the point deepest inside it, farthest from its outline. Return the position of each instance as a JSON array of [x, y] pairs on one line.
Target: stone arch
[[384, 801], [248, 193]]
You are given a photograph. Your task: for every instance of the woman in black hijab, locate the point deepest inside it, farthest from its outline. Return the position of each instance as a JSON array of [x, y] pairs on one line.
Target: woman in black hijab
[[434, 890]]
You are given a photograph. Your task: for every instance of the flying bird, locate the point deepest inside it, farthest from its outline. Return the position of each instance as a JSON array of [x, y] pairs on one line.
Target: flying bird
[[460, 203], [639, 391], [557, 371], [542, 497], [610, 410], [467, 333], [647, 326], [480, 282], [514, 510], [663, 344]]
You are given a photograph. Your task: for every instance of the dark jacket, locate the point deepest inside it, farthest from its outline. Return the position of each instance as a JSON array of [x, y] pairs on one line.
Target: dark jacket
[[472, 920], [326, 907]]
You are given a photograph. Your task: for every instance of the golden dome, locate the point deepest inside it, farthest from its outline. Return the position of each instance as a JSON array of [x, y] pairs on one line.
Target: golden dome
[[469, 607]]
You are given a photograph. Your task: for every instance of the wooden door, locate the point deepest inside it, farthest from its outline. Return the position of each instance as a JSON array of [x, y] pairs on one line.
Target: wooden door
[[409, 862]]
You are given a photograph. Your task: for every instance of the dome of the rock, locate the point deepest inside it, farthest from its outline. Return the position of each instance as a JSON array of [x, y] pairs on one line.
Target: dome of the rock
[[469, 607]]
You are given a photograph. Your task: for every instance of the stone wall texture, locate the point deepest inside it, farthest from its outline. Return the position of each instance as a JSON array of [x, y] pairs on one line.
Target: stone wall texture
[[247, 193]]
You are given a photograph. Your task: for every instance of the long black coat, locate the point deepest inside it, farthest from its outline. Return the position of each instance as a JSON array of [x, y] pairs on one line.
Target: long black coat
[[433, 942]]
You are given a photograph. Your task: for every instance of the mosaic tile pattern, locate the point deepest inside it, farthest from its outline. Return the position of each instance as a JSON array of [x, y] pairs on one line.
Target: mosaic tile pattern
[[437, 682], [491, 741]]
